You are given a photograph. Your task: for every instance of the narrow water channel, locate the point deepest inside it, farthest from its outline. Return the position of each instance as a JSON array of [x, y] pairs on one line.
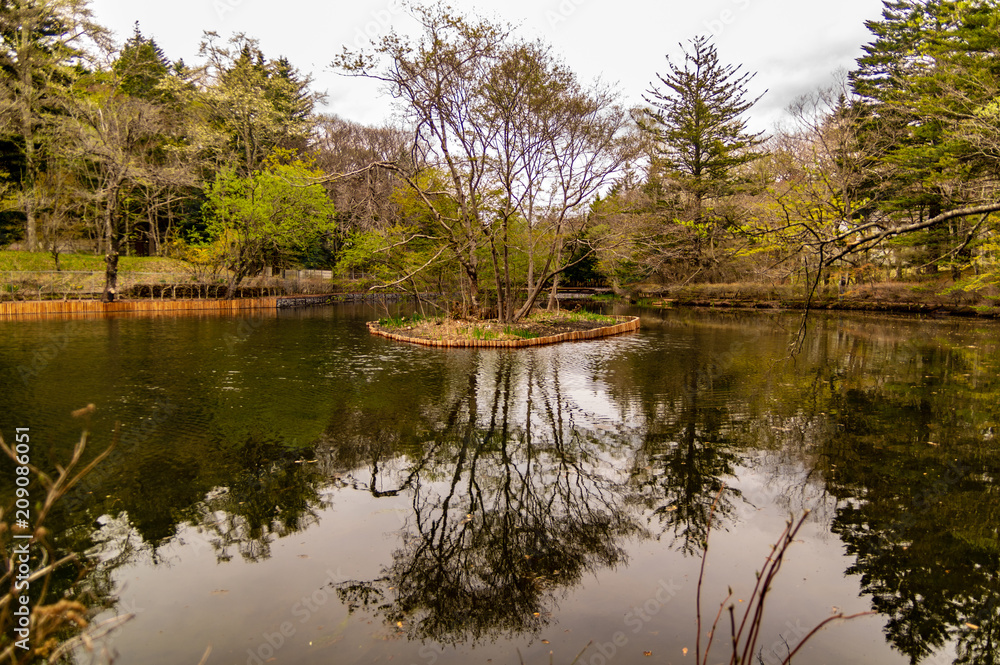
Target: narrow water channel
[[288, 489]]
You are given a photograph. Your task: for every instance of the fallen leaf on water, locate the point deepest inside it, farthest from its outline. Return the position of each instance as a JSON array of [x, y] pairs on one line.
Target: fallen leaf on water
[[536, 614], [647, 653], [217, 592], [399, 624], [972, 626], [545, 641], [685, 650]]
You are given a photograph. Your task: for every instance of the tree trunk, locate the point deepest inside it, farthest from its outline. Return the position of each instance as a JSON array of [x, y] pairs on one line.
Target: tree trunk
[[508, 287], [30, 157], [501, 300], [111, 273], [553, 305], [474, 305], [111, 257]]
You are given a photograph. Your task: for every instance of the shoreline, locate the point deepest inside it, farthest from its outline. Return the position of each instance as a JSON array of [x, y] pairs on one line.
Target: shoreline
[[879, 307], [16, 308]]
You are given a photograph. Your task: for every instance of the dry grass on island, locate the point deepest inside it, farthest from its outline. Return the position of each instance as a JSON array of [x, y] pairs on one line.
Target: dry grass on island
[[538, 324]]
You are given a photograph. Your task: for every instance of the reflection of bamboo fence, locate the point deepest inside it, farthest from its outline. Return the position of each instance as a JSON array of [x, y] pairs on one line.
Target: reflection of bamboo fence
[[144, 306], [629, 325]]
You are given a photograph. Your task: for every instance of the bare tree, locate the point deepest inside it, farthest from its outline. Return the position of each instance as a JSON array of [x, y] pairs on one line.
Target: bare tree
[[113, 139], [362, 196], [515, 148], [833, 186]]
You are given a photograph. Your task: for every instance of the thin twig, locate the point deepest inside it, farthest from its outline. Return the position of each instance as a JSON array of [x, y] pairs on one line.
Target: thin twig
[[701, 577], [95, 632], [820, 625], [204, 658], [579, 655]]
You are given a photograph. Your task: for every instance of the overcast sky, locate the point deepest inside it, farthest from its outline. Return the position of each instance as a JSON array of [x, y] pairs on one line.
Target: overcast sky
[[794, 46]]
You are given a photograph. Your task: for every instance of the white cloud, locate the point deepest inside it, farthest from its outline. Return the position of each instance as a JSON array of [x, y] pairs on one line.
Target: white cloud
[[793, 45]]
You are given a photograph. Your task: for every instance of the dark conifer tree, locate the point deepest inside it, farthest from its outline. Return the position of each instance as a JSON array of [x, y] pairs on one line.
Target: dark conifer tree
[[928, 72], [697, 120], [140, 66]]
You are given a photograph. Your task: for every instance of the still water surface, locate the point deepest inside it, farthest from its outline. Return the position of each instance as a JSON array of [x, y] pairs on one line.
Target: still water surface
[[289, 489]]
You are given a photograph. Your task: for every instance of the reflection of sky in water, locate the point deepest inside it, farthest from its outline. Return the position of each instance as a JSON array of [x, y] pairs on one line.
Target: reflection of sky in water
[[188, 600], [331, 457]]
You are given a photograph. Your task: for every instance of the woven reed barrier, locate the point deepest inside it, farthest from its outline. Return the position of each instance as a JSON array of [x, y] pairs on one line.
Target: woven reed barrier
[[44, 307], [629, 324]]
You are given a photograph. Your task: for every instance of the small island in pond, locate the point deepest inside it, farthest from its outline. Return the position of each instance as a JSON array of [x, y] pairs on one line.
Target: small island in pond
[[534, 330]]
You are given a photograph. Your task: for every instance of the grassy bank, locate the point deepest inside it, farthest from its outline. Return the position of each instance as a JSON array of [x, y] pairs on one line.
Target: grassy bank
[[926, 296], [11, 261]]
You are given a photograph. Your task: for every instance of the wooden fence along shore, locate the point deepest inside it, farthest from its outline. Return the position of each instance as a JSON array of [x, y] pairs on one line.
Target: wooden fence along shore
[[46, 307]]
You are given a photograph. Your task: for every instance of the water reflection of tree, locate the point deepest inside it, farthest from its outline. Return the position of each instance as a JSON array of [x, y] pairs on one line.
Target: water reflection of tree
[[510, 506], [273, 492], [691, 403], [919, 508], [263, 489], [682, 466]]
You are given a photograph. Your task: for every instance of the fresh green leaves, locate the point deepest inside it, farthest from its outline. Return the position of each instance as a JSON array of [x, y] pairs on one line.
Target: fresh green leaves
[[260, 219]]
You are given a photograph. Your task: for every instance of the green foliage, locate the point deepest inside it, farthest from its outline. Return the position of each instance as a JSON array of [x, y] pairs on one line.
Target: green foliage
[[519, 333], [141, 66], [260, 219], [585, 315], [257, 105], [41, 47], [574, 315], [928, 80], [400, 320], [392, 321], [483, 333]]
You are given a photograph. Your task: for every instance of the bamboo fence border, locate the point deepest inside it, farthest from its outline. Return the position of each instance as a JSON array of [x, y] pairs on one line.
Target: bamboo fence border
[[45, 307], [631, 324]]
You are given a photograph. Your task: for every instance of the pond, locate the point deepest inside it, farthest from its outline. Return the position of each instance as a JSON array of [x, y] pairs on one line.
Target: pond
[[288, 489]]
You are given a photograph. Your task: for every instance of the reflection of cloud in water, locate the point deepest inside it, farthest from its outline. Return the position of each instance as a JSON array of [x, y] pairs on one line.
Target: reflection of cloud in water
[[436, 474]]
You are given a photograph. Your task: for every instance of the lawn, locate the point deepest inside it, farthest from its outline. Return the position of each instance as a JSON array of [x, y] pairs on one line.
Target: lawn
[[42, 261]]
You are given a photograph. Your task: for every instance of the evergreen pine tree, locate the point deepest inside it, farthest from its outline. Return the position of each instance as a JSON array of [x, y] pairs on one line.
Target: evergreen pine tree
[[140, 66], [698, 124], [927, 73]]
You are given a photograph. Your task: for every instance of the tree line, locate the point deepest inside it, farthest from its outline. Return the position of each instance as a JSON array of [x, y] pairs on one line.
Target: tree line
[[504, 174]]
